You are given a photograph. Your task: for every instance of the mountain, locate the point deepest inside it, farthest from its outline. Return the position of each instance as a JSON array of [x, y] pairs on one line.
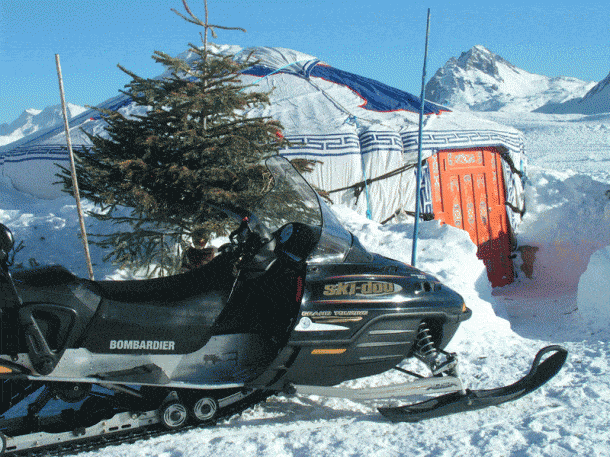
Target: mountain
[[596, 101], [24, 119], [480, 80], [32, 120]]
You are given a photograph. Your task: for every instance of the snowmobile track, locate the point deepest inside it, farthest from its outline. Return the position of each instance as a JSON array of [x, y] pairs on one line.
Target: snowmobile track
[[133, 435]]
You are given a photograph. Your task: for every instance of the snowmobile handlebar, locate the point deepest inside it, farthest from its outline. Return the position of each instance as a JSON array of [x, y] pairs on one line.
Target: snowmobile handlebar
[[7, 242], [255, 250]]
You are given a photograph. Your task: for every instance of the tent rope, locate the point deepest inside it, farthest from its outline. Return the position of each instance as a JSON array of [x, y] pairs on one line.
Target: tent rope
[[369, 213], [423, 216], [361, 184]]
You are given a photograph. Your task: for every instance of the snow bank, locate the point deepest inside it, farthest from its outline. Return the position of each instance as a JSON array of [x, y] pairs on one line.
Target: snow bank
[[50, 231], [567, 219], [594, 291]]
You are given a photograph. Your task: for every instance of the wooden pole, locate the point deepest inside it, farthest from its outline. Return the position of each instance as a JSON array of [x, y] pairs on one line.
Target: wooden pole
[[79, 208]]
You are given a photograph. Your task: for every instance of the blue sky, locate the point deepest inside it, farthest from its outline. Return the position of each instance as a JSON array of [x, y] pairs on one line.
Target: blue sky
[[381, 39]]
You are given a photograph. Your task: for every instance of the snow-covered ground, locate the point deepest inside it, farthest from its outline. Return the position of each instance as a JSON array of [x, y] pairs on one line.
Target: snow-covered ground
[[567, 301]]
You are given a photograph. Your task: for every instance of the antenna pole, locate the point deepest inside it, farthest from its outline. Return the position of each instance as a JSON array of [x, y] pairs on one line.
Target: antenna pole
[[419, 148], [79, 208]]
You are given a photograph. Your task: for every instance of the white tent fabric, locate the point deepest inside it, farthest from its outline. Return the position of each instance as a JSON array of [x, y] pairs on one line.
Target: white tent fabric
[[332, 121], [357, 130]]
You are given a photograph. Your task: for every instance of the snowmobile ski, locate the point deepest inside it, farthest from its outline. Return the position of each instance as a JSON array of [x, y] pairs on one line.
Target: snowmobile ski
[[458, 402]]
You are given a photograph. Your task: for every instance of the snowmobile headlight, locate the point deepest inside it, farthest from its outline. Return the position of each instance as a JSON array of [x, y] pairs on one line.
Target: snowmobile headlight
[[464, 309]]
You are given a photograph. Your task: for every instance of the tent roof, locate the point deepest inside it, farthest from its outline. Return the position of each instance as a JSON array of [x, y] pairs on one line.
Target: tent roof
[[307, 96]]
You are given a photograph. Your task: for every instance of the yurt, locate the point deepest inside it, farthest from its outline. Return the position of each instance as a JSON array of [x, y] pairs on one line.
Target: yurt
[[363, 138]]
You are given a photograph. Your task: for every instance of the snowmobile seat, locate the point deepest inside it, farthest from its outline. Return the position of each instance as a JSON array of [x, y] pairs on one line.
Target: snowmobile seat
[[53, 275], [166, 290], [180, 309]]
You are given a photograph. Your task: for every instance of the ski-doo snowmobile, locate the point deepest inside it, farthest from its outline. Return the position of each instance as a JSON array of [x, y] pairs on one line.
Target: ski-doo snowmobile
[[293, 304]]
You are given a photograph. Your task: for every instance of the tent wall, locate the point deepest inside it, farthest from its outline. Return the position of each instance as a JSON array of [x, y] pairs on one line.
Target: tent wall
[[33, 169], [343, 162], [381, 154]]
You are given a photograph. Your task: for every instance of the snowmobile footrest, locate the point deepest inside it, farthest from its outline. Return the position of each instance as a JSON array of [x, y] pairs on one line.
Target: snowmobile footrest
[[458, 402]]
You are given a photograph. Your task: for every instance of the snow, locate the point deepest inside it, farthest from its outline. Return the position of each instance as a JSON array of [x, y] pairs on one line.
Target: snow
[[566, 301], [594, 289]]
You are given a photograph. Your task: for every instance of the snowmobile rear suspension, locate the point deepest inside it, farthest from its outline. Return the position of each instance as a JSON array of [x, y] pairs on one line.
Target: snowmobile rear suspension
[[178, 411]]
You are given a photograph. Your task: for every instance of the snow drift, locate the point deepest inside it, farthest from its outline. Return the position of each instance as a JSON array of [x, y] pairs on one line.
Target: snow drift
[[594, 291]]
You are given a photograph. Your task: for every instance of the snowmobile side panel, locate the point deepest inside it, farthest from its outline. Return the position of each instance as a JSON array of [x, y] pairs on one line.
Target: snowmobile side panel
[[53, 314], [171, 315], [382, 342], [234, 358], [472, 400], [179, 329], [361, 319]]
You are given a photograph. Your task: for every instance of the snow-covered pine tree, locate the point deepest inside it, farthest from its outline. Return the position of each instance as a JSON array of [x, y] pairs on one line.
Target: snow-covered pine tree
[[193, 150]]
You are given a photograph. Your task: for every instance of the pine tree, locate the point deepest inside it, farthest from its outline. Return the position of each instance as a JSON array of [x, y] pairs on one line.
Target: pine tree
[[192, 151]]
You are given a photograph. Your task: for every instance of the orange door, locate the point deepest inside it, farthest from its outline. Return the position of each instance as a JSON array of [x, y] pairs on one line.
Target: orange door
[[468, 193]]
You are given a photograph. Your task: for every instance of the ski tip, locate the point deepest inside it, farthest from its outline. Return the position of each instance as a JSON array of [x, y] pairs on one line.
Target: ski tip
[[543, 370]]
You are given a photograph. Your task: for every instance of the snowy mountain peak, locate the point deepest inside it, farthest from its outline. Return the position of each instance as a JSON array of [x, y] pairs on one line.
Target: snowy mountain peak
[[480, 80], [597, 100], [32, 111], [599, 88], [32, 120], [482, 59]]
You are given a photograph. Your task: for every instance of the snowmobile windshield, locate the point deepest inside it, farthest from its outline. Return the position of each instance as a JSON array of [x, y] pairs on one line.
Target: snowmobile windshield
[[293, 200]]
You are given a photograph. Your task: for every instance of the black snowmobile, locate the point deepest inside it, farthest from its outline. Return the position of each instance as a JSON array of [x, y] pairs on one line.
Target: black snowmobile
[[293, 304]]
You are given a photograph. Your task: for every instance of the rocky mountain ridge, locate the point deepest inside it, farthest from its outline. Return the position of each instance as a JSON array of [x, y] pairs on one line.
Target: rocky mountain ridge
[[33, 120], [479, 80]]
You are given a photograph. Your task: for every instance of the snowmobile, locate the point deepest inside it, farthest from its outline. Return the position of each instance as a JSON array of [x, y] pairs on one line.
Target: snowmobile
[[293, 304]]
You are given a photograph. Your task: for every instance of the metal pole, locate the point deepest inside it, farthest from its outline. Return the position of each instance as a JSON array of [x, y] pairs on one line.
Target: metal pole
[[79, 208], [419, 147]]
